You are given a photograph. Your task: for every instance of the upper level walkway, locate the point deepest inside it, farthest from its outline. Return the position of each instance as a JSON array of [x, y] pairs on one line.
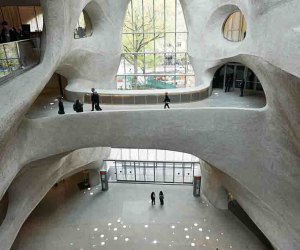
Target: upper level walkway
[[47, 104]]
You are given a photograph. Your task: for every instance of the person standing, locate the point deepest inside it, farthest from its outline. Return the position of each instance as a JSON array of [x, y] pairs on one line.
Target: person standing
[[5, 33], [61, 109], [78, 106], [153, 198], [242, 86], [228, 83], [167, 101], [97, 101], [161, 198]]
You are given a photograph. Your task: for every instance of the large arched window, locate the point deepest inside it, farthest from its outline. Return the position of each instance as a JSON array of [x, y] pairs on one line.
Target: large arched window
[[155, 47]]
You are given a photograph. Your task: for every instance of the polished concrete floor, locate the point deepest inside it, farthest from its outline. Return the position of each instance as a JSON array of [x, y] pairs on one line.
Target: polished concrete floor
[[47, 104], [123, 218]]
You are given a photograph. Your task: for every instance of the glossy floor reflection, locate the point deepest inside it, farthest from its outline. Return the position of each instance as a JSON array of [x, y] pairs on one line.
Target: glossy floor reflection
[[123, 218]]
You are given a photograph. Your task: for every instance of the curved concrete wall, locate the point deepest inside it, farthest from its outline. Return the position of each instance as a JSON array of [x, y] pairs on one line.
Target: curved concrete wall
[[46, 173], [258, 149]]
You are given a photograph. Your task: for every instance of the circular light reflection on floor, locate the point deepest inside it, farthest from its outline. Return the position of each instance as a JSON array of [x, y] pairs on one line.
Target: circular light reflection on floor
[[186, 229], [187, 236], [207, 237], [193, 244], [96, 229], [154, 242], [102, 235], [172, 226], [195, 224], [109, 224], [115, 229], [126, 239], [124, 226], [146, 226], [115, 238], [102, 243], [200, 229]]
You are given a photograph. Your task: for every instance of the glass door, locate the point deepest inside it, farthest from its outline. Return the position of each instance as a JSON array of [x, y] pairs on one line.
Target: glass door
[[169, 172], [187, 172], [159, 172], [178, 173], [120, 171], [150, 172]]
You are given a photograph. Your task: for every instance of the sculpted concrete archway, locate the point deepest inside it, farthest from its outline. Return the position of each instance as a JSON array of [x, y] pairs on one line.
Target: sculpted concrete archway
[[259, 150]]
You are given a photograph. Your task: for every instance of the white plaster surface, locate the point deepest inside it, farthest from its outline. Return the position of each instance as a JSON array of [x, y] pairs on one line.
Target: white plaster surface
[[258, 149]]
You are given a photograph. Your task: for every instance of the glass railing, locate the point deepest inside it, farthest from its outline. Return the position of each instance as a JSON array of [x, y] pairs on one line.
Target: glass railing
[[18, 55]]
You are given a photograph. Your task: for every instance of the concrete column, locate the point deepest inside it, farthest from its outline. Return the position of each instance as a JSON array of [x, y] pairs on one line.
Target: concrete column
[[212, 188], [94, 177]]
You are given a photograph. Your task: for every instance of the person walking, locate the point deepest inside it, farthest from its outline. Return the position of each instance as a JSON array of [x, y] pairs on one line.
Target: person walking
[[97, 101], [78, 106], [161, 198], [153, 198], [242, 86], [61, 109], [167, 101]]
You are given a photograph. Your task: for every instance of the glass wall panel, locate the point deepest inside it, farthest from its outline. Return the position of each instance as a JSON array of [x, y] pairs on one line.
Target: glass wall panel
[[159, 172], [169, 172], [235, 27], [130, 171], [149, 173], [178, 173], [154, 34]]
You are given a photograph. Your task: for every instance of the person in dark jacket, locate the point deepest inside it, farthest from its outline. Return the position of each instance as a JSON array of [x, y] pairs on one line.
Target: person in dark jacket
[[95, 99], [228, 83], [153, 198], [242, 87], [78, 106], [167, 101], [61, 109], [6, 32], [161, 198]]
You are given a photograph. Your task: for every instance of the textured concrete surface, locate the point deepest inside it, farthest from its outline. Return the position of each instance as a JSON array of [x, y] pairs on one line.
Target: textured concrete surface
[[38, 178], [86, 219], [257, 149]]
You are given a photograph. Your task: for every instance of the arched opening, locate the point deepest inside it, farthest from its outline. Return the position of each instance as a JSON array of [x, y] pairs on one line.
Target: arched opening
[[92, 218], [235, 27], [233, 76], [83, 27], [155, 47]]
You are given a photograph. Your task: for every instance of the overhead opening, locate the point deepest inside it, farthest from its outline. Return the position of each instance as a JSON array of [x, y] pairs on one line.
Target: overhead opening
[[83, 27], [155, 47], [235, 27]]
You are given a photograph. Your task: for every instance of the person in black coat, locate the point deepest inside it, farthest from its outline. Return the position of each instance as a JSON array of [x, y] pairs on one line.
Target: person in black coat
[[61, 109], [228, 83], [78, 106], [242, 86], [161, 198], [167, 101], [95, 99], [152, 198]]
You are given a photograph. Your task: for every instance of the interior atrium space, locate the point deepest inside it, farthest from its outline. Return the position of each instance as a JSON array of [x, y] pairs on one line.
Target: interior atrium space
[[149, 124]]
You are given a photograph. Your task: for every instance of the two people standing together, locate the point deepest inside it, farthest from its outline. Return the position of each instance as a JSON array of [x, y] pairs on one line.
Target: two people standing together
[[161, 198]]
